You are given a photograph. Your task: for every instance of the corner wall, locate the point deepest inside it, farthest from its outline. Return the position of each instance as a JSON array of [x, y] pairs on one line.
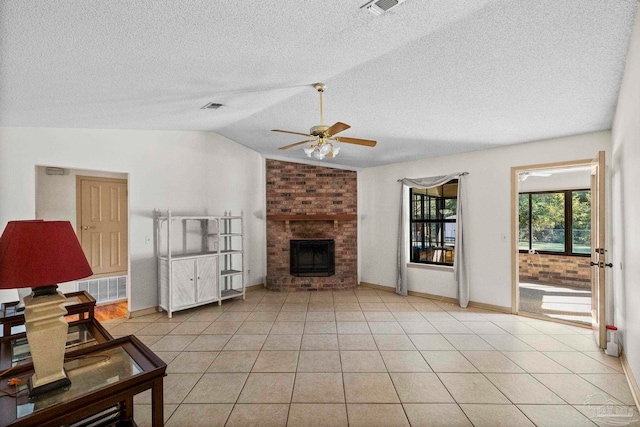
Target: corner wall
[[488, 217], [187, 172], [625, 176]]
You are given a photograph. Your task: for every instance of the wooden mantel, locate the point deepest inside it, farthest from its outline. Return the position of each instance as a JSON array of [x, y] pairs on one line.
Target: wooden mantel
[[325, 217]]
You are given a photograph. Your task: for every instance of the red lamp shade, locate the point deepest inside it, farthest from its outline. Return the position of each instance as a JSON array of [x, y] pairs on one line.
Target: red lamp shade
[[40, 253]]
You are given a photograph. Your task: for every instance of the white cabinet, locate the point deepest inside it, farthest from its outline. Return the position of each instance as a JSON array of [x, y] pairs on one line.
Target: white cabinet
[[200, 260]]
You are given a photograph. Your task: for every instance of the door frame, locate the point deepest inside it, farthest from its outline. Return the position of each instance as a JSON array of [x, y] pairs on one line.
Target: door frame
[[515, 267]]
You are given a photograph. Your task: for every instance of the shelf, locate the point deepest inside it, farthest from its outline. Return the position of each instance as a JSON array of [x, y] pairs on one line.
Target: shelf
[[229, 272], [230, 293], [230, 252], [193, 255], [229, 234]]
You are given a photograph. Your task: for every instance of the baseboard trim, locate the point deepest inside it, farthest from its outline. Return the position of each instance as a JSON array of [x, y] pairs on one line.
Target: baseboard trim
[[441, 298], [143, 312], [633, 384]]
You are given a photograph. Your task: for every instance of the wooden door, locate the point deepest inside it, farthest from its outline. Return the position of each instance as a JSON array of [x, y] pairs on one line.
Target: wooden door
[[103, 224], [207, 278], [598, 250]]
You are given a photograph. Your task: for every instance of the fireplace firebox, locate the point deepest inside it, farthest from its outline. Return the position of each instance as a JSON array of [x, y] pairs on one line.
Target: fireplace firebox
[[312, 258]]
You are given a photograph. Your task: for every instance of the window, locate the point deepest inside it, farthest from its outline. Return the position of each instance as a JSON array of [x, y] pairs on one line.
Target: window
[[433, 223], [556, 222]]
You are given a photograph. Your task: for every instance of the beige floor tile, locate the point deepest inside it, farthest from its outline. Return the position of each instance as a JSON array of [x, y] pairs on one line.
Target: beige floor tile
[[551, 328], [142, 414], [297, 307], [287, 328], [177, 386], [393, 342], [319, 327], [127, 328], [318, 387], [267, 388], [369, 388], [233, 316], [191, 362], [319, 307], [506, 342], [190, 328], [496, 415], [217, 388], [614, 384], [400, 307], [431, 342], [157, 329], [254, 328], [600, 414], [262, 316], [574, 389], [369, 298], [234, 361], [353, 328], [484, 327], [379, 316], [468, 342], [205, 315], [555, 415], [404, 361], [421, 327], [376, 415], [535, 362], [408, 316], [517, 328], [381, 328], [174, 343], [291, 316], [346, 306], [245, 342], [223, 328], [471, 388], [319, 361], [451, 327], [438, 315], [373, 306], [319, 342], [579, 363], [350, 316], [544, 343], [207, 342], [268, 307], [258, 415], [317, 415], [420, 388], [167, 356], [356, 342], [276, 361], [244, 306], [600, 356], [436, 415], [467, 316], [321, 316], [524, 389], [491, 361], [147, 340], [282, 342], [200, 415], [362, 361], [448, 361]]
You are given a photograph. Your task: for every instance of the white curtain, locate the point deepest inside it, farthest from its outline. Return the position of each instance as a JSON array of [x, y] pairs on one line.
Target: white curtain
[[460, 267]]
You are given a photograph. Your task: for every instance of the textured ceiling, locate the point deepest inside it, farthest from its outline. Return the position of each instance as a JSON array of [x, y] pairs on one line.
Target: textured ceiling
[[426, 79]]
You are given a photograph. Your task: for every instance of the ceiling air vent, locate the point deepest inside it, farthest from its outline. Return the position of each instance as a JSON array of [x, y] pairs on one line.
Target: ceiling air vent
[[378, 7], [211, 106]]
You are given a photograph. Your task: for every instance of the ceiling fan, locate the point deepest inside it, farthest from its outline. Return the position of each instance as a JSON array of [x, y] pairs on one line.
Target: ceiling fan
[[323, 136]]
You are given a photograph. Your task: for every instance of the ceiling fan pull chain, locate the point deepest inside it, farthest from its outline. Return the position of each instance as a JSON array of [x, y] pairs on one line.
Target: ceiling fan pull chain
[[321, 119]]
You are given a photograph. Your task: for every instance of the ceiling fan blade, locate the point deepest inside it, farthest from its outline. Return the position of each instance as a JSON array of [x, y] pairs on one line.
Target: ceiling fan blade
[[358, 141], [337, 128], [296, 144], [288, 131]]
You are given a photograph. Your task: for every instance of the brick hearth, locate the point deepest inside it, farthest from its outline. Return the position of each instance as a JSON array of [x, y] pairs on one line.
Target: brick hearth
[[310, 202]]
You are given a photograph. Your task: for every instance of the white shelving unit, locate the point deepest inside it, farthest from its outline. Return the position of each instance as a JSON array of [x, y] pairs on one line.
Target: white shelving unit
[[200, 260]]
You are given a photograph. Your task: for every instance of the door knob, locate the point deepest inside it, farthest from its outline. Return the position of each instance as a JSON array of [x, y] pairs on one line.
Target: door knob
[[86, 227]]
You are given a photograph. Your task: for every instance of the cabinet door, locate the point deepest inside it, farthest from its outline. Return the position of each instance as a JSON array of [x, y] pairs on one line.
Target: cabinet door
[[207, 284], [183, 285]]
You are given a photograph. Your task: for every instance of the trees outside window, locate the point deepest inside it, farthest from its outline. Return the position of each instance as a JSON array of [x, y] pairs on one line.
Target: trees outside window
[[555, 222]]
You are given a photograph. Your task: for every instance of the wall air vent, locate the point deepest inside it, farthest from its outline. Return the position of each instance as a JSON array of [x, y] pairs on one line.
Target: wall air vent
[[211, 106], [378, 7]]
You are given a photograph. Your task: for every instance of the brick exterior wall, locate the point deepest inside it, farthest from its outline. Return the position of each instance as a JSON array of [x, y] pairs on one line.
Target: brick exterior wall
[[572, 271], [298, 189]]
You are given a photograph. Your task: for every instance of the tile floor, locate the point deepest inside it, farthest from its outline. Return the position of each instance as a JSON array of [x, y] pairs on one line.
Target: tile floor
[[373, 358]]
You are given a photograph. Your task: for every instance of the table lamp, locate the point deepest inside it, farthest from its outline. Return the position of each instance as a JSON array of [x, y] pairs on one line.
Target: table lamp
[[40, 254]]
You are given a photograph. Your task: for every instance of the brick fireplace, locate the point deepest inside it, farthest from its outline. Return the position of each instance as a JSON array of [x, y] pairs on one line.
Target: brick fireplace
[[306, 202]]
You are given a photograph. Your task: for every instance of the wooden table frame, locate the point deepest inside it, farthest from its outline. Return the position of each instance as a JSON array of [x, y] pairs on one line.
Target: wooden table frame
[[121, 392]]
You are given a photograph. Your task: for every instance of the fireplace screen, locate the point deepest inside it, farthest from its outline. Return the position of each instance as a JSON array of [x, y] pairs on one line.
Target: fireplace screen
[[312, 258]]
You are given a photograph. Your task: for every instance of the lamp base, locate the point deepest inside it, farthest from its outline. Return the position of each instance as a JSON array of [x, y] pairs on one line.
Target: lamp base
[[37, 391]]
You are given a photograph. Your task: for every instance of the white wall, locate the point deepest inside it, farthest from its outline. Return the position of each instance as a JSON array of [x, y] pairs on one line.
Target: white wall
[[488, 214], [626, 206], [187, 172]]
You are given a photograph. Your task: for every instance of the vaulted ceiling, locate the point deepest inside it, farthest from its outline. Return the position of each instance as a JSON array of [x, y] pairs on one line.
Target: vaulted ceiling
[[427, 78]]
